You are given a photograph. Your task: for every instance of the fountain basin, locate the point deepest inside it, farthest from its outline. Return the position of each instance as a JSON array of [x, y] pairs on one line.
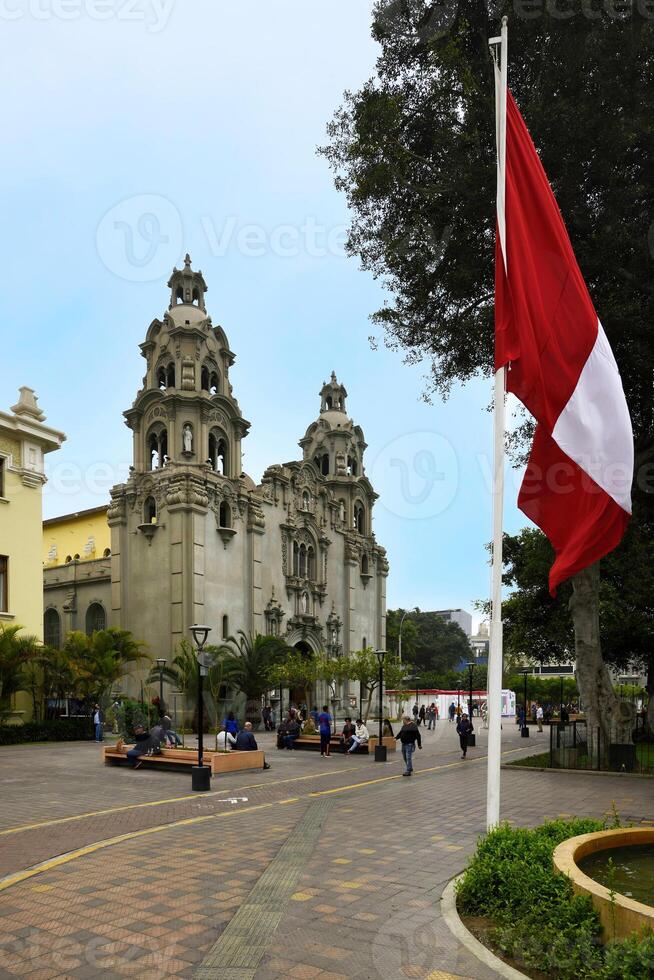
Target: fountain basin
[[620, 916]]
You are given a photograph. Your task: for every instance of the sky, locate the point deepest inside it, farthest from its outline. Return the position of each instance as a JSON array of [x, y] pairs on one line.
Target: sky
[[138, 130]]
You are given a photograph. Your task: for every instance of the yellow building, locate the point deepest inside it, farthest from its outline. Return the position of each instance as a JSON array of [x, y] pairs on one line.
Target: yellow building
[[24, 441], [82, 536]]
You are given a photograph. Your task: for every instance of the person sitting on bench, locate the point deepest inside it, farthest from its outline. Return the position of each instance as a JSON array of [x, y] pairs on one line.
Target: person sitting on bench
[[292, 732], [224, 740], [246, 742], [144, 743], [361, 736], [346, 735]]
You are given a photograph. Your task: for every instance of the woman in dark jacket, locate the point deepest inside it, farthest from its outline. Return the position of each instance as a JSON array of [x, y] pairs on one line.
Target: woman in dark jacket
[[464, 728]]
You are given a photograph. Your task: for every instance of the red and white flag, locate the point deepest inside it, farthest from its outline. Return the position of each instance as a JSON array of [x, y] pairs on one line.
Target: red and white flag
[[577, 487]]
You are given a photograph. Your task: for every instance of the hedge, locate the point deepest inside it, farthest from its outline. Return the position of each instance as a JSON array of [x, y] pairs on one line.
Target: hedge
[[55, 730]]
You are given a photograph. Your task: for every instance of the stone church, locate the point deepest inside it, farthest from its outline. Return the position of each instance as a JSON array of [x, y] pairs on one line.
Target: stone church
[[195, 540]]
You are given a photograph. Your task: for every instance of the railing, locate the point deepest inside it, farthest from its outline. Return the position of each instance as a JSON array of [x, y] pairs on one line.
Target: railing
[[577, 746]]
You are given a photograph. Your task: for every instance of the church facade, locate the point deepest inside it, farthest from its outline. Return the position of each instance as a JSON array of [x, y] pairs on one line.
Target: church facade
[[194, 540]]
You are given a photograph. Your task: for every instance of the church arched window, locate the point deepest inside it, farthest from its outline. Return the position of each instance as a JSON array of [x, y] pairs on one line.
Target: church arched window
[[219, 453], [303, 561], [352, 466], [96, 618], [225, 627], [170, 375], [311, 564], [324, 464], [296, 559], [150, 511], [157, 446], [328, 402], [179, 295], [214, 383], [204, 379], [225, 514], [196, 296], [161, 379], [52, 629], [359, 518], [365, 565]]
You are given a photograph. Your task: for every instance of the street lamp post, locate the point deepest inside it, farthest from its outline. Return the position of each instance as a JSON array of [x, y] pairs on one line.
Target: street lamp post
[[524, 732], [380, 750], [200, 774], [471, 737], [161, 663]]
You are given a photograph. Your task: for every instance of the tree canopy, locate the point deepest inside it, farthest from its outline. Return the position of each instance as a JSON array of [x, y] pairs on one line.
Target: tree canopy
[[428, 642]]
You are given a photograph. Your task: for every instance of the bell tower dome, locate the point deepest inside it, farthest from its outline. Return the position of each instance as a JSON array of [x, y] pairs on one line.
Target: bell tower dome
[[187, 287]]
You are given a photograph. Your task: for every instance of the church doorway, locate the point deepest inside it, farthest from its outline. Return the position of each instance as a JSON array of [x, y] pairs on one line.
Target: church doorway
[[302, 693]]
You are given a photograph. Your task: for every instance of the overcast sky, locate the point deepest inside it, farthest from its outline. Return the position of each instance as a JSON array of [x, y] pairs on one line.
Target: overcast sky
[[137, 131]]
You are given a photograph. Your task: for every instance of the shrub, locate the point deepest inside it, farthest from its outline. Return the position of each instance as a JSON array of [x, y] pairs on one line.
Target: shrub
[[539, 922], [132, 713], [52, 730]]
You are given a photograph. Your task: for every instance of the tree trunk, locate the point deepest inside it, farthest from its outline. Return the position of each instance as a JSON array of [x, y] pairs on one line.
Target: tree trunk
[[605, 712]]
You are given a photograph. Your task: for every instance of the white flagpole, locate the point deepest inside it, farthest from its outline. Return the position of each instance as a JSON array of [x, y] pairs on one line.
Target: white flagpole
[[499, 46]]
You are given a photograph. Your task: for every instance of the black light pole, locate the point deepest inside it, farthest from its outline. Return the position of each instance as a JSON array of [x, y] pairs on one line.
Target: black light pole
[[380, 750], [471, 737], [561, 705], [524, 732], [200, 774], [161, 663]]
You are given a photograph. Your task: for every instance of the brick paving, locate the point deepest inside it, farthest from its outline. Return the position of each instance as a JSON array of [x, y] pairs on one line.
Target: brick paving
[[363, 902]]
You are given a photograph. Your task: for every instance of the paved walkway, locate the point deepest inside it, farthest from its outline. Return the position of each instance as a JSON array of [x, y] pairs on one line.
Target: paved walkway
[[328, 868]]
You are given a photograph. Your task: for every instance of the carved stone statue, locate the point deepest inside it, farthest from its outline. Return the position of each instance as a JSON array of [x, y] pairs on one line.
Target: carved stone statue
[[187, 438], [304, 603]]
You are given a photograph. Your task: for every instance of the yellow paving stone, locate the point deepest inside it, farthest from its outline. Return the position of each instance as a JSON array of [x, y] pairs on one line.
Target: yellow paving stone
[[302, 896], [349, 884], [454, 847], [366, 850], [341, 861], [438, 837], [42, 888]]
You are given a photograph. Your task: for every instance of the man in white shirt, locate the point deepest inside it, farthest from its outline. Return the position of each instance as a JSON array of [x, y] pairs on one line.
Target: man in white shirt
[[224, 740], [539, 716]]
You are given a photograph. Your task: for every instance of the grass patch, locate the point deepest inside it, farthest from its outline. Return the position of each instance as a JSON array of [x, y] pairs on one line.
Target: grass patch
[[537, 921], [539, 761]]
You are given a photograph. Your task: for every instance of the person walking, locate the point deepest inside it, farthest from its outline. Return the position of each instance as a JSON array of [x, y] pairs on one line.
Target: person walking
[[408, 735], [325, 729], [451, 710], [415, 712], [464, 728], [539, 716], [431, 717], [422, 714]]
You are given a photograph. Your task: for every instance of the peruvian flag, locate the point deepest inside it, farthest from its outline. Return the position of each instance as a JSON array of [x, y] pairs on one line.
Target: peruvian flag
[[577, 487]]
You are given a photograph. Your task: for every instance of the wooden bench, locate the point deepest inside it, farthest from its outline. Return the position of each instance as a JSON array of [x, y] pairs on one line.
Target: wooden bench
[[219, 762], [312, 744]]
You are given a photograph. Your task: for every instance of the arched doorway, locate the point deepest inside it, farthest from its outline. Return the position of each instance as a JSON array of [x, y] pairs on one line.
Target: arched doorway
[[302, 693]]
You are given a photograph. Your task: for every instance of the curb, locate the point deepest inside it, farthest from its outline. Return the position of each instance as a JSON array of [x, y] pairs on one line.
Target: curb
[[465, 937], [577, 772]]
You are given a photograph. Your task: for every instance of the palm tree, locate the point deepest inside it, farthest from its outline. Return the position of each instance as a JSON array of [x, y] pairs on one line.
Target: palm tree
[[101, 660], [247, 663], [182, 675], [16, 653]]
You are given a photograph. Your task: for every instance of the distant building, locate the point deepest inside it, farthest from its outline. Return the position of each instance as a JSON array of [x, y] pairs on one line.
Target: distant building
[[458, 616], [24, 441], [480, 644]]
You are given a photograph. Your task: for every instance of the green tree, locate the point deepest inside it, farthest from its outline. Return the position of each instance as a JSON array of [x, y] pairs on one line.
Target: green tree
[[409, 633], [248, 663], [101, 660], [297, 670], [413, 151], [363, 666], [17, 652]]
